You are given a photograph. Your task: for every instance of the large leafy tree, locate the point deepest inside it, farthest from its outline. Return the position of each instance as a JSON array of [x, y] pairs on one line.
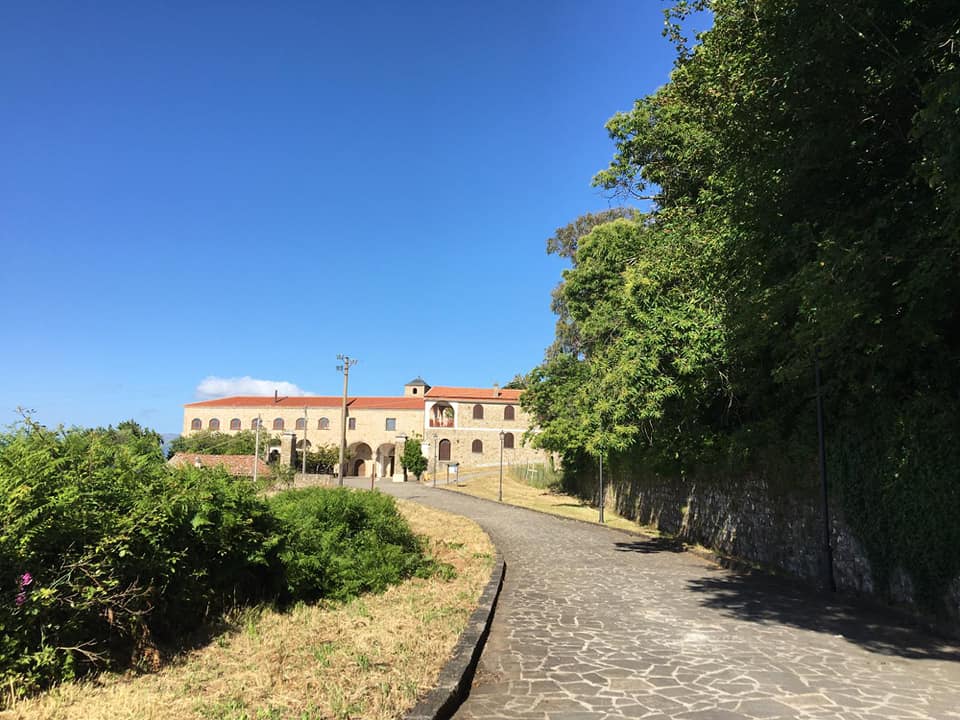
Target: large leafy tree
[[821, 134], [564, 243], [651, 343], [802, 163]]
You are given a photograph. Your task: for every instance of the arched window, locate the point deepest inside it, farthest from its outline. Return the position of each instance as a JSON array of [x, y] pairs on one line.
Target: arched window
[[235, 424], [301, 423], [478, 412], [508, 412], [508, 440], [323, 424], [196, 424], [255, 423], [278, 423], [477, 446], [214, 424], [443, 450]]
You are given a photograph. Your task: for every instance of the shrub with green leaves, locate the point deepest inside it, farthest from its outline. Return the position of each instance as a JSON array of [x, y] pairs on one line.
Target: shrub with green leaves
[[339, 543], [106, 552], [104, 549]]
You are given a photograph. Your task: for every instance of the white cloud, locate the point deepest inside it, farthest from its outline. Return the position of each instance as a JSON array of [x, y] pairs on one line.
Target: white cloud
[[213, 387]]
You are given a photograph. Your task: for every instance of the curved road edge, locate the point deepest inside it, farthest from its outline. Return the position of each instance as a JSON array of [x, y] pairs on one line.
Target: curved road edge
[[453, 684]]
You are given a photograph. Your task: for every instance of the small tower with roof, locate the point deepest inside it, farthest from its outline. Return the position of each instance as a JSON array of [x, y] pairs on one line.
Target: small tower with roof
[[415, 388]]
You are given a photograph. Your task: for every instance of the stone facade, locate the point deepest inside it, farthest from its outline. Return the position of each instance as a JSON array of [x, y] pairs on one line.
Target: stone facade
[[377, 427], [374, 424], [471, 420]]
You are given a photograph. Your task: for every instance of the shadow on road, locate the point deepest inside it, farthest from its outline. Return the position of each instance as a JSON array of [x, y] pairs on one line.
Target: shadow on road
[[650, 545], [770, 600]]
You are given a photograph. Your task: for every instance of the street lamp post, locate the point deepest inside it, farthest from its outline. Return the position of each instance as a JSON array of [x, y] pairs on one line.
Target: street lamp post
[[601, 485], [256, 450], [303, 441], [501, 467]]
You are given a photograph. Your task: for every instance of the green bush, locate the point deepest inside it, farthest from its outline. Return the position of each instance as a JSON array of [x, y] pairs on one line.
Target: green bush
[[104, 549], [106, 552], [339, 543]]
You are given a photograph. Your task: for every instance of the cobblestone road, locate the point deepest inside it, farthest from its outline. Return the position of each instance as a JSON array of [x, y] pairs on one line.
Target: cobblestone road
[[595, 623]]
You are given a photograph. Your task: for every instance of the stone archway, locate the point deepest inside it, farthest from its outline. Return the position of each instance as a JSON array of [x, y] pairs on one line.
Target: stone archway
[[442, 415], [386, 459], [360, 455]]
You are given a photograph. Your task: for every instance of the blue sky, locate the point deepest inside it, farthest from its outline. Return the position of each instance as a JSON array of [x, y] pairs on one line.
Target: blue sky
[[193, 190]]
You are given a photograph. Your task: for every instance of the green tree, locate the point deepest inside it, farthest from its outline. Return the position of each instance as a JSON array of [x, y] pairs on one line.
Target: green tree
[[802, 161], [564, 243], [412, 459], [320, 459], [518, 382]]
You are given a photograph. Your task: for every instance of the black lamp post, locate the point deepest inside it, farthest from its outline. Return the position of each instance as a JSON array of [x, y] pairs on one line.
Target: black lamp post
[[601, 486]]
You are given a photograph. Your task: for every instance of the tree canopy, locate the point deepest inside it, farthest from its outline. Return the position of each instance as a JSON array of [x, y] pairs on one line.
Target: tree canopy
[[803, 166], [320, 459]]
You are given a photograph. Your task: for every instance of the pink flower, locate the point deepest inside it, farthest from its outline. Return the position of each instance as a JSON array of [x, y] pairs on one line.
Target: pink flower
[[21, 598], [26, 579]]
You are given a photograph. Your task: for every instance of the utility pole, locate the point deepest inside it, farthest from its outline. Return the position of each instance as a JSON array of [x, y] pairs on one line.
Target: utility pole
[[347, 362], [256, 451], [303, 441]]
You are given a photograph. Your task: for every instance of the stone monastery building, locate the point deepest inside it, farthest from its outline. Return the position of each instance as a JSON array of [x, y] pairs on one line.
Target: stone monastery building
[[457, 424]]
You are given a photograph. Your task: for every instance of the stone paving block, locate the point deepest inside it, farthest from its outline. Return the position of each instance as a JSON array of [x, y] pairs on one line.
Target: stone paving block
[[763, 708]]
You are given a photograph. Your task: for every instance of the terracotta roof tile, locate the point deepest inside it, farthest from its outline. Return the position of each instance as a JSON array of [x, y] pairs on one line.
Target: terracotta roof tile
[[387, 403], [238, 465], [266, 401], [465, 393]]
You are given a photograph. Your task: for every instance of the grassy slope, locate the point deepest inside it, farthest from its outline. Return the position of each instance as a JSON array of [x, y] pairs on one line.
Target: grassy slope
[[485, 484]]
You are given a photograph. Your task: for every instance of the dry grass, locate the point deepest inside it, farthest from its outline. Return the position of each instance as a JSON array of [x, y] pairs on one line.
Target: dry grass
[[485, 484], [370, 658]]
